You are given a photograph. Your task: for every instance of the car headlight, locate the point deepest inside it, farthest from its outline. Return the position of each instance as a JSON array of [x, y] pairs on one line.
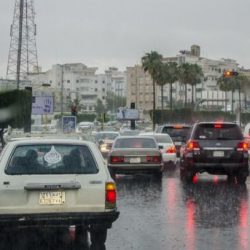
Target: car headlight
[[103, 148]]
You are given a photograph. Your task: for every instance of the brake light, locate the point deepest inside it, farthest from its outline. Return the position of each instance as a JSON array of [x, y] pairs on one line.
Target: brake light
[[117, 159], [171, 150], [217, 125], [193, 145], [178, 126], [154, 158], [110, 195], [242, 146]]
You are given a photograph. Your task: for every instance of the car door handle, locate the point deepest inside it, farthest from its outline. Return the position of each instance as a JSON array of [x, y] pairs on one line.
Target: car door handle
[[52, 186]]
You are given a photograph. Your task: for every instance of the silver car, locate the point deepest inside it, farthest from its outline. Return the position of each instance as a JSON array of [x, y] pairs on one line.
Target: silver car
[[135, 154]]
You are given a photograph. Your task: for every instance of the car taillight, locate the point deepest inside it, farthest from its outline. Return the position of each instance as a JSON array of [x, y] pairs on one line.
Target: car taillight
[[242, 146], [193, 145], [116, 159], [154, 158], [110, 195], [171, 149]]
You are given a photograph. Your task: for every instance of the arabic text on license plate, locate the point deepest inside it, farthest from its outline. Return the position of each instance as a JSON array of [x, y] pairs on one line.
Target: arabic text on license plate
[[218, 154], [135, 160], [52, 198]]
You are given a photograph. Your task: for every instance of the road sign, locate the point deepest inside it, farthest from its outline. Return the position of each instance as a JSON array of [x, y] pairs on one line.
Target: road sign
[[124, 113], [42, 105], [68, 124]]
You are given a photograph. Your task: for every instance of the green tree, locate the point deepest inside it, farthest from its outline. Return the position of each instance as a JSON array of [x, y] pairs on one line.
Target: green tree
[[99, 107], [190, 74], [114, 101], [151, 62], [168, 74]]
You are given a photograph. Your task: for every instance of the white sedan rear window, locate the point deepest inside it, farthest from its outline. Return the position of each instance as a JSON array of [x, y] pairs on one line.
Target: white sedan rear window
[[51, 159]]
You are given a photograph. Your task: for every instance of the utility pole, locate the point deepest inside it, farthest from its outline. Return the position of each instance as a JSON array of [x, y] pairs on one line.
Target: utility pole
[[62, 88], [22, 57]]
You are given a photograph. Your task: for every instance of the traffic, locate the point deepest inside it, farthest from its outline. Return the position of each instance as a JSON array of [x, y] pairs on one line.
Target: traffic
[[76, 186]]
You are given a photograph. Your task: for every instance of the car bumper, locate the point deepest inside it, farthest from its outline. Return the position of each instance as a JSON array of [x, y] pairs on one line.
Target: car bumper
[[142, 168], [221, 168], [169, 158], [93, 220]]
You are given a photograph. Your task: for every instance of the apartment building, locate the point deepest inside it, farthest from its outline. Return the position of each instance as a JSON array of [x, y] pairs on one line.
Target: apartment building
[[116, 81]]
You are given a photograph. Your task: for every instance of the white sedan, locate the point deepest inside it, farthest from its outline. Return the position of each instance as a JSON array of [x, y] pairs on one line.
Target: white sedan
[[166, 146]]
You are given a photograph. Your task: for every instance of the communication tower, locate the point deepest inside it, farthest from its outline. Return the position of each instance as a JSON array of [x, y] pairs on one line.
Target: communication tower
[[22, 58]]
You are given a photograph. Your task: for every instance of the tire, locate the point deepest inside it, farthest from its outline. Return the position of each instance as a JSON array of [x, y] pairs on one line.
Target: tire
[[81, 238], [186, 176], [98, 236], [241, 178], [112, 173]]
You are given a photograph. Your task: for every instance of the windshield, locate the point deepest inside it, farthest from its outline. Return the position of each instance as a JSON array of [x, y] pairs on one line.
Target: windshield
[[221, 132], [135, 143], [177, 134], [51, 159], [106, 136]]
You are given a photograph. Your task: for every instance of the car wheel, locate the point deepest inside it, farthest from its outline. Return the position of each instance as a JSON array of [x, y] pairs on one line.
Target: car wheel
[[81, 238], [112, 173], [186, 176], [98, 239], [241, 178]]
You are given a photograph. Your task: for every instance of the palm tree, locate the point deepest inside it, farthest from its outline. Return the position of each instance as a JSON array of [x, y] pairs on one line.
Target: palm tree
[[195, 78], [151, 63], [190, 74], [224, 85], [168, 73], [184, 77]]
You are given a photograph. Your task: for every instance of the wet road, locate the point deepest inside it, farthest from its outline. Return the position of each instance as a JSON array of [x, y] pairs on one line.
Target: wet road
[[158, 215], [208, 214]]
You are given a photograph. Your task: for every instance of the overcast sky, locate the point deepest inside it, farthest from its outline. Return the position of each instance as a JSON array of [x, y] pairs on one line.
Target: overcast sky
[[106, 33]]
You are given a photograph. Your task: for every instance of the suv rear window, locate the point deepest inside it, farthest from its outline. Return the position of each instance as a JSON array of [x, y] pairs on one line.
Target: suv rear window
[[178, 133], [218, 132], [51, 159]]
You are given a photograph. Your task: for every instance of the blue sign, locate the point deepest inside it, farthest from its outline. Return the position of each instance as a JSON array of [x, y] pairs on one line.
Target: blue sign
[[68, 124]]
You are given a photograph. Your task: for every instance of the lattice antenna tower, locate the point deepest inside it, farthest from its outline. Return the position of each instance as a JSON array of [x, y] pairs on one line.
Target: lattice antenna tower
[[22, 58]]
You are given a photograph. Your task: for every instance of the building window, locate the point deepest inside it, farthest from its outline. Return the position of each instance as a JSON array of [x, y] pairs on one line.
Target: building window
[[68, 81], [103, 98], [103, 81], [96, 81], [96, 89], [103, 90], [77, 81]]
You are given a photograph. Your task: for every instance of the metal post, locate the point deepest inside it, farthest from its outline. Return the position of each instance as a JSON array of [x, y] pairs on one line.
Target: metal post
[[20, 39], [62, 87]]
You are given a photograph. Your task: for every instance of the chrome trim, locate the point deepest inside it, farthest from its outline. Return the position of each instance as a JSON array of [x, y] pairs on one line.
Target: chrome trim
[[219, 149]]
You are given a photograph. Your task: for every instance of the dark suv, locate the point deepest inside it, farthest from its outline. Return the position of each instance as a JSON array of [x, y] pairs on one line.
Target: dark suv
[[216, 148], [177, 132]]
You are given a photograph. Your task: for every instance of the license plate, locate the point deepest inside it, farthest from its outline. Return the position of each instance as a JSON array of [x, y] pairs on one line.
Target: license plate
[[135, 160], [218, 153], [52, 198], [178, 143]]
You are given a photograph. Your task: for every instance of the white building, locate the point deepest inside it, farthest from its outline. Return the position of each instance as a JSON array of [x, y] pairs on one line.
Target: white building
[[207, 92], [116, 81], [71, 82]]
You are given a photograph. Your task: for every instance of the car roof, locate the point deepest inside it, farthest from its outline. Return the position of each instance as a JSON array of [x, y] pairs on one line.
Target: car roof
[[220, 122], [32, 141]]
